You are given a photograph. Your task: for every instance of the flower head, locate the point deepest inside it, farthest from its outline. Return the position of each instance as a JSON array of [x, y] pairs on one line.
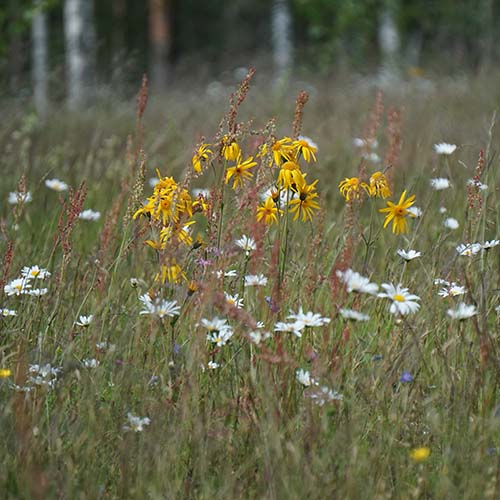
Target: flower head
[[440, 183], [350, 188], [408, 255], [357, 283], [305, 202], [18, 197], [56, 185], [90, 215], [246, 243], [378, 186], [403, 302], [443, 148], [136, 424], [159, 307], [462, 311], [397, 213], [200, 157], [290, 176], [420, 454], [84, 320], [268, 211], [17, 286], [230, 149], [451, 223], [34, 272], [305, 147], [354, 315], [240, 171]]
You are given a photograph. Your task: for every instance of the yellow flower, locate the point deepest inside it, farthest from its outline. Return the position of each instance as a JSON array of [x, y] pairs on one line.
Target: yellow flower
[[420, 454], [305, 149], [397, 213], [350, 188], [305, 202], [200, 157], [172, 273], [282, 150], [240, 172], [378, 186], [268, 211], [5, 372], [290, 176], [230, 149]]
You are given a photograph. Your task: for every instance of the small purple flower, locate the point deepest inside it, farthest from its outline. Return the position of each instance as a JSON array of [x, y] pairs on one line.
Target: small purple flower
[[203, 262], [406, 377], [177, 349], [274, 308]]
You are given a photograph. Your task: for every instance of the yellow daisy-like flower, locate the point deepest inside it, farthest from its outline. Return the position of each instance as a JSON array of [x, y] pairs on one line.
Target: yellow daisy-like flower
[[420, 454], [305, 203], [172, 273], [282, 150], [240, 172], [378, 186], [5, 372], [268, 211], [305, 149], [230, 149], [350, 188], [290, 176], [200, 157], [397, 213]]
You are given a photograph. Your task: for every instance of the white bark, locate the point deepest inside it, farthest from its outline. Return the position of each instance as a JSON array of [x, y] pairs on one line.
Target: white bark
[[389, 43], [39, 40], [80, 50], [281, 26]]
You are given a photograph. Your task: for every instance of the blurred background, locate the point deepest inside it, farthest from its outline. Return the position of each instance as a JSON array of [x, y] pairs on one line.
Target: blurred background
[[74, 51]]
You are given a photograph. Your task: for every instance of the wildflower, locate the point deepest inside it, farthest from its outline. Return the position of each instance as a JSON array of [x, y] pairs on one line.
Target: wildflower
[[280, 197], [403, 302], [487, 245], [212, 365], [232, 273], [378, 186], [305, 202], [215, 325], [440, 183], [90, 363], [363, 143], [305, 147], [442, 210], [268, 211], [451, 223], [304, 378], [17, 197], [452, 290], [420, 454], [17, 287], [255, 280], [408, 255], [295, 328], [84, 321], [246, 243], [325, 395], [200, 157], [134, 282], [406, 377], [469, 249], [281, 150], [153, 182], [350, 188], [5, 313], [397, 213], [415, 212], [234, 300], [44, 375], [290, 176], [240, 171], [444, 148], [354, 315], [257, 336], [357, 283], [463, 311], [308, 319], [230, 149], [56, 185], [220, 337], [136, 424], [159, 307], [90, 215], [34, 272], [477, 184], [5, 372]]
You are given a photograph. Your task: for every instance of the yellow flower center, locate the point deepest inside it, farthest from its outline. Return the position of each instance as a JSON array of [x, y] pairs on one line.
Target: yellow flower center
[[399, 298]]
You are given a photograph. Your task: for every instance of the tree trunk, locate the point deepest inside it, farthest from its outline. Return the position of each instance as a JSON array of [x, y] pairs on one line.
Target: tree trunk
[[39, 54], [389, 43], [281, 26], [160, 38], [119, 43], [80, 51]]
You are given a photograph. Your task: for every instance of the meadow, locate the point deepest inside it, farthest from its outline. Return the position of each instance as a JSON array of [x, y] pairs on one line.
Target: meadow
[[199, 297]]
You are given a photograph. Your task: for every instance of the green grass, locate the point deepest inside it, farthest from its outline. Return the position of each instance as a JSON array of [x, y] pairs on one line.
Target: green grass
[[248, 429]]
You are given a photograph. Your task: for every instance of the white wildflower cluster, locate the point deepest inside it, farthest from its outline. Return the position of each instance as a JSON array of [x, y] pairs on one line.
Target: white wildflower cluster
[[449, 289], [440, 183], [443, 148], [470, 249], [301, 321], [320, 394], [255, 280], [219, 332], [356, 283], [159, 307], [16, 197], [136, 424], [462, 311], [90, 215], [477, 184], [41, 376], [23, 285]]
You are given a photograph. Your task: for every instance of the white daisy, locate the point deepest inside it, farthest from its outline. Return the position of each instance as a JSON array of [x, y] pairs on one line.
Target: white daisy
[[212, 365], [255, 280], [443, 148], [443, 210], [90, 362], [462, 311], [325, 395], [234, 300], [478, 184], [415, 211], [37, 292], [408, 255], [308, 319], [56, 185], [17, 197], [34, 272], [453, 290], [17, 286], [354, 315], [356, 283], [84, 320], [90, 215], [304, 378], [246, 243], [5, 313], [451, 223], [403, 302], [295, 328], [469, 249], [159, 307], [220, 337], [258, 336], [487, 245], [215, 325], [440, 183], [232, 273]]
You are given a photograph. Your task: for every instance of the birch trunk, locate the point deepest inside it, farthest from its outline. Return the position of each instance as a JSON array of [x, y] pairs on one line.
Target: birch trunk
[[39, 63], [160, 38], [389, 43], [281, 26]]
